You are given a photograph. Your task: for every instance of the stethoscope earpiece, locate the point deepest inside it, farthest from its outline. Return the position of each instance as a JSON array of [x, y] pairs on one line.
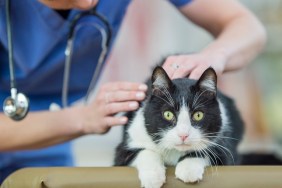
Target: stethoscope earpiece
[[16, 107]]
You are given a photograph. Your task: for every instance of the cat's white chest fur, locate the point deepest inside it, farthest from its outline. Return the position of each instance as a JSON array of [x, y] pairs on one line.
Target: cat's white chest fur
[[151, 161], [171, 158], [139, 138]]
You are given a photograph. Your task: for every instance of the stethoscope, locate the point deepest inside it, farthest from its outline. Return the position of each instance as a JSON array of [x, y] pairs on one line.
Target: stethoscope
[[16, 106]]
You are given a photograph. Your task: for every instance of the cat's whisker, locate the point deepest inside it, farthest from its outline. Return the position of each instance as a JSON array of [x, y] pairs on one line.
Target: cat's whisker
[[161, 132], [155, 134], [222, 148], [164, 100], [197, 96], [204, 154], [213, 144], [163, 92], [222, 137], [218, 136], [208, 156], [214, 155], [201, 104], [214, 161], [202, 150], [214, 133], [168, 95]]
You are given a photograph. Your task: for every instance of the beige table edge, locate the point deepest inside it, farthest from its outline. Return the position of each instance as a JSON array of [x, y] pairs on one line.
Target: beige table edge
[[228, 176]]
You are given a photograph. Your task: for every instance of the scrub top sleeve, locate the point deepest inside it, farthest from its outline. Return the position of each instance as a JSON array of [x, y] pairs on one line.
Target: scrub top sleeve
[[179, 3]]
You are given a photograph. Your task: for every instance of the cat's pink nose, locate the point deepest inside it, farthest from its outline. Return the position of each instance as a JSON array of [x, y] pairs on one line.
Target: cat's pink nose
[[183, 137]]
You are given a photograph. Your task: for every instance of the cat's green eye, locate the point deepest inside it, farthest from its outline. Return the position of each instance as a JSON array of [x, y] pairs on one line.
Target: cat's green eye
[[198, 116], [168, 115]]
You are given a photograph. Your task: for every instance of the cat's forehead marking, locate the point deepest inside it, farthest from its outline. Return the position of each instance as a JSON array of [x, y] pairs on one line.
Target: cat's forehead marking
[[183, 103], [183, 114], [183, 117]]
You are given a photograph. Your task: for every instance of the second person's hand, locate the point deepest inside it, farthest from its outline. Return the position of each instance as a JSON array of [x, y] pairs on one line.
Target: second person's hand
[[112, 98]]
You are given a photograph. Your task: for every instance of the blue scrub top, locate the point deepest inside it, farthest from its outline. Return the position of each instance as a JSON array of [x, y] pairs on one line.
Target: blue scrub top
[[39, 41]]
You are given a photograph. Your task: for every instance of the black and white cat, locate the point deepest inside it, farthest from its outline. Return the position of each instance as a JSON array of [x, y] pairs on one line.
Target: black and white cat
[[183, 123]]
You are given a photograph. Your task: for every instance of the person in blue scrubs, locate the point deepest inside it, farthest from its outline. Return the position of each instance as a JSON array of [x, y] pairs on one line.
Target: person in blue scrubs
[[40, 31]]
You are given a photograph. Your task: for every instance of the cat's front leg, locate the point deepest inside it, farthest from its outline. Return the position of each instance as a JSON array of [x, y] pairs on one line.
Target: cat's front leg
[[191, 170], [151, 169]]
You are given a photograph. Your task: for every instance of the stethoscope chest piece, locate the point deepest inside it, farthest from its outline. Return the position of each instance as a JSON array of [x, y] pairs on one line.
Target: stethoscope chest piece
[[16, 108], [17, 105]]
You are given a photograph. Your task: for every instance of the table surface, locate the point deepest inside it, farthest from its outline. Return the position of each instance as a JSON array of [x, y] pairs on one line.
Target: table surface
[[114, 177]]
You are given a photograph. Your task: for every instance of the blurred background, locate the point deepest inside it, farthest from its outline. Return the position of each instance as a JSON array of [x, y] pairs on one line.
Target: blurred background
[[154, 29]]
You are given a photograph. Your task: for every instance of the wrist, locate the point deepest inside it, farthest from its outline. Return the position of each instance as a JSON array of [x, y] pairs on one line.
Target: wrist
[[72, 121], [217, 56]]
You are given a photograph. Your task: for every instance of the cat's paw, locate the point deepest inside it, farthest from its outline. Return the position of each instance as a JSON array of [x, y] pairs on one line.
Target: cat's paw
[[190, 170], [153, 178]]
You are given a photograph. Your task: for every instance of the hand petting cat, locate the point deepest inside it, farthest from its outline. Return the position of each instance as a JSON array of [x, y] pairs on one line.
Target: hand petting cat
[[112, 98], [193, 65]]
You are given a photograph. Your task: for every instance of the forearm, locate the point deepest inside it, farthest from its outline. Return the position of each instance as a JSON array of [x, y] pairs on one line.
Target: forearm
[[37, 130], [45, 128], [239, 42], [239, 35]]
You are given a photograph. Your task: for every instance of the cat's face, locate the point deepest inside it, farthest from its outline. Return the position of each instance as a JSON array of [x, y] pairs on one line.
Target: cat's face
[[183, 114]]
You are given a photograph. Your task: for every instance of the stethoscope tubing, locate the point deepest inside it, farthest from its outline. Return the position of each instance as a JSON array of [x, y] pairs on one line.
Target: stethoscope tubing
[[10, 45], [106, 38], [91, 13]]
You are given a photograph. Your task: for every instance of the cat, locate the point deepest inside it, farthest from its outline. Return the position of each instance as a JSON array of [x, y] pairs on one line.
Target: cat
[[183, 123]]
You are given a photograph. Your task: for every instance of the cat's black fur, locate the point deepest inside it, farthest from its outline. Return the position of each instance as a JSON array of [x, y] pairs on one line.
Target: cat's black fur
[[188, 89]]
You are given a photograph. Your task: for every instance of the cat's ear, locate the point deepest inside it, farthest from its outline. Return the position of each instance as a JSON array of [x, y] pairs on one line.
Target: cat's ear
[[208, 81], [160, 80]]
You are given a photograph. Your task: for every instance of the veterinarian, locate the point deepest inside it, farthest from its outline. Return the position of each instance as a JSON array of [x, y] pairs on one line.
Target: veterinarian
[[40, 31]]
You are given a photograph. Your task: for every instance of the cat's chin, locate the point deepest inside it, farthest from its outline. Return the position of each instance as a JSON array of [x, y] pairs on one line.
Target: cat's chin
[[183, 147]]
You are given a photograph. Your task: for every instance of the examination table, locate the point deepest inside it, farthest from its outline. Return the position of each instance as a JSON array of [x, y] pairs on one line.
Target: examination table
[[123, 177]]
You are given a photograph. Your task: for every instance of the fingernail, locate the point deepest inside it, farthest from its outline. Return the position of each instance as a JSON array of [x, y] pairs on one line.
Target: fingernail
[[140, 95], [143, 87], [123, 120], [133, 105]]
